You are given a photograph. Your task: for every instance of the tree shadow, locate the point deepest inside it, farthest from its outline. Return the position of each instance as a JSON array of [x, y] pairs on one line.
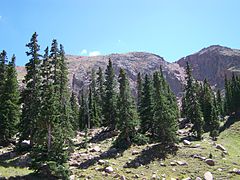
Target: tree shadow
[[112, 152], [231, 120], [14, 159], [31, 176], [154, 152], [103, 135]]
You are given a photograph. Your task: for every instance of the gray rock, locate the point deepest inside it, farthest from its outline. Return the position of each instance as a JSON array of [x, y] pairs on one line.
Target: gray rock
[[173, 164], [186, 142], [137, 164], [25, 144], [162, 164], [72, 177], [112, 151], [208, 176], [134, 152], [136, 176], [236, 171], [220, 147], [154, 177], [210, 162], [109, 169], [188, 178], [101, 162], [181, 163], [122, 177], [95, 149]]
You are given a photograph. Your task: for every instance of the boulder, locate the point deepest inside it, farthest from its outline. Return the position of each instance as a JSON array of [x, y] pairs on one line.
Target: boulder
[[220, 147], [162, 164], [101, 162], [181, 163], [112, 151], [134, 152], [188, 178], [137, 164], [208, 176], [136, 176], [25, 144], [72, 177], [95, 149], [210, 162], [202, 158], [173, 164], [109, 169], [198, 178], [236, 171], [197, 146], [154, 176], [122, 177], [12, 155], [186, 142], [81, 134]]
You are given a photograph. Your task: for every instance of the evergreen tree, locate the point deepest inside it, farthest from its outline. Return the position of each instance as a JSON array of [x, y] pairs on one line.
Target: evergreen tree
[[139, 90], [146, 108], [49, 109], [220, 103], [53, 130], [128, 118], [10, 107], [207, 104], [31, 94], [165, 111], [214, 124], [66, 113], [12, 97], [94, 106], [93, 110], [3, 73], [110, 109], [192, 106], [232, 95], [100, 93], [74, 110], [84, 119]]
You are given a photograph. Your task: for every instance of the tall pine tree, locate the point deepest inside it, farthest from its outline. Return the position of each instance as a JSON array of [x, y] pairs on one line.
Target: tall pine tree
[[31, 94], [128, 118], [146, 108], [110, 98], [192, 106]]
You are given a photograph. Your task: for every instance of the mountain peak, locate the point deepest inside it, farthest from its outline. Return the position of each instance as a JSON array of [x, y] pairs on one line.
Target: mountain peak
[[218, 49]]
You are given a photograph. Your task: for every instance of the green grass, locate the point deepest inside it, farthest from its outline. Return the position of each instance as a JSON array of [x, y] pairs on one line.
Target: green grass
[[230, 139], [13, 171], [151, 158]]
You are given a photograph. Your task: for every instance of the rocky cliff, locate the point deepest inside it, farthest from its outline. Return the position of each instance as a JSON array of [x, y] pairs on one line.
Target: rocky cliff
[[211, 63]]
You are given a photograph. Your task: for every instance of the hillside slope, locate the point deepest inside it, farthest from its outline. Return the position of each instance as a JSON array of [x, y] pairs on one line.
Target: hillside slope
[[141, 162], [211, 63]]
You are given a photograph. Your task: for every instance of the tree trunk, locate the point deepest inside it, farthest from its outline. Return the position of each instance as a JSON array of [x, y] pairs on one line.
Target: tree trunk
[[49, 138]]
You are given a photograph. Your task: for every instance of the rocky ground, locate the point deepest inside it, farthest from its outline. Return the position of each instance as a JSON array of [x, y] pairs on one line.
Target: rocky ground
[[97, 159]]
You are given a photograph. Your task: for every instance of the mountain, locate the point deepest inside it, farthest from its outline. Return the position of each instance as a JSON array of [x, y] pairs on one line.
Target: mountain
[[134, 62], [211, 63]]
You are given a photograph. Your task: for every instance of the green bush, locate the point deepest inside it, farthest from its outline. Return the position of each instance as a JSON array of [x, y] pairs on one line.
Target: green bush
[[140, 139]]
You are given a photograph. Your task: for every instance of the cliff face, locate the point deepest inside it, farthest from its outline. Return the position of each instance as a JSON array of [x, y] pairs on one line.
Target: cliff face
[[211, 63], [146, 63]]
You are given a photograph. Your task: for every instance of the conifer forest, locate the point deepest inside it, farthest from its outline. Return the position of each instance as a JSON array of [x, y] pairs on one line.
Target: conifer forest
[[42, 117]]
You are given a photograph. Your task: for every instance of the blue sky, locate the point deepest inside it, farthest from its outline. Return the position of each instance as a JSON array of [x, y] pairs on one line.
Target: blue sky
[[170, 28]]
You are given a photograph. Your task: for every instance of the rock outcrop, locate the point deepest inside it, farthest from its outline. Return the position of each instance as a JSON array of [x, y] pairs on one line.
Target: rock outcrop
[[211, 63]]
